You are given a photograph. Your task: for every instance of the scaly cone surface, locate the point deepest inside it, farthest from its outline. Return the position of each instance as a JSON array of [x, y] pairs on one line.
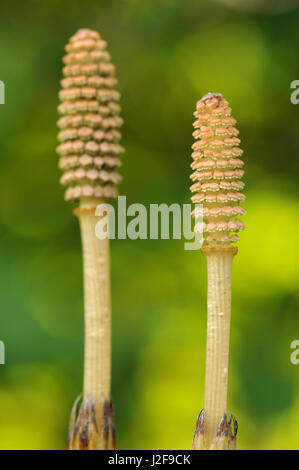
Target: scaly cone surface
[[90, 120], [217, 176]]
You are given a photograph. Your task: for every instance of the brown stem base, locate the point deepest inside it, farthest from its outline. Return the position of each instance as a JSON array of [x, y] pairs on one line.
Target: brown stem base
[[86, 432], [225, 438]]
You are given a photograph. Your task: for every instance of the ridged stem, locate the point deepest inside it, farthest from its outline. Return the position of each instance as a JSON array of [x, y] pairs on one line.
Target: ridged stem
[[219, 268], [97, 307]]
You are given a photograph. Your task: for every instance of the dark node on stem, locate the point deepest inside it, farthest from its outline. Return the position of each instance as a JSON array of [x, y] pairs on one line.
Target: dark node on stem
[[108, 425], [225, 438], [227, 432], [199, 432], [85, 433]]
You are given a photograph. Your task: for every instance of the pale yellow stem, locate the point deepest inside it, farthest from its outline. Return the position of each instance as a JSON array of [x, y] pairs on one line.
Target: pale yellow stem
[[219, 268], [97, 307]]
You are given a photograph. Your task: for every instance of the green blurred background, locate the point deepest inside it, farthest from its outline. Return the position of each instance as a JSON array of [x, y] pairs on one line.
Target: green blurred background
[[168, 54]]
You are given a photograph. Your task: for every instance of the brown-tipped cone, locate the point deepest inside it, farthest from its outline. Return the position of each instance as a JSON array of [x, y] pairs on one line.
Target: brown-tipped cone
[[217, 176], [89, 135]]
